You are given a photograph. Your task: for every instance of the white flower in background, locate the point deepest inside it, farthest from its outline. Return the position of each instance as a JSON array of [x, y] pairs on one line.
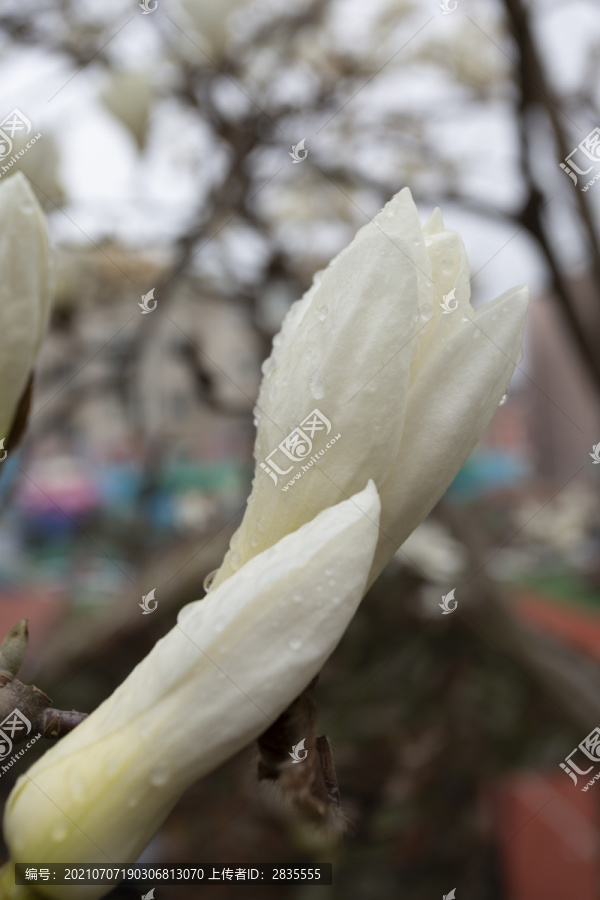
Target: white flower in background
[[409, 390], [215, 682], [24, 290], [210, 19], [129, 96], [40, 165]]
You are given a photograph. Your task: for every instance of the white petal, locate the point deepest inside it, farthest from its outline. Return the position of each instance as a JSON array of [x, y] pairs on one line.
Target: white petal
[[213, 684], [347, 353], [451, 403], [24, 290]]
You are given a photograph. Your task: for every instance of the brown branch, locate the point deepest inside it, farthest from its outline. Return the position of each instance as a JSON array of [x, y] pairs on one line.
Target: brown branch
[[300, 762], [27, 699], [535, 91]]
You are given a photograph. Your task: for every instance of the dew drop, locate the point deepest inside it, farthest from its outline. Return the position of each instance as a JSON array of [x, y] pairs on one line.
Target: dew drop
[[220, 625], [319, 589], [160, 775], [261, 525], [295, 643], [253, 542], [207, 583], [297, 596], [503, 399], [59, 832], [336, 599], [329, 571], [235, 561], [332, 582], [323, 313]]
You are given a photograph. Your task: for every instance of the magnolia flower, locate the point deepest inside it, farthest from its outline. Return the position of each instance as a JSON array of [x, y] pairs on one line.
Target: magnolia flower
[[216, 681], [210, 19], [382, 370], [129, 95], [24, 291]]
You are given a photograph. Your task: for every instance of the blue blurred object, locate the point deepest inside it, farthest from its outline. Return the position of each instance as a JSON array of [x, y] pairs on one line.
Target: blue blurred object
[[485, 472]]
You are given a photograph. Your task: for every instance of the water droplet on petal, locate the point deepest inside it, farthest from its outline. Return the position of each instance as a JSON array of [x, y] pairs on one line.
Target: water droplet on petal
[[235, 561], [160, 775], [261, 525], [59, 832], [336, 599], [220, 625], [294, 643], [503, 399], [297, 596], [253, 542], [323, 313], [331, 582]]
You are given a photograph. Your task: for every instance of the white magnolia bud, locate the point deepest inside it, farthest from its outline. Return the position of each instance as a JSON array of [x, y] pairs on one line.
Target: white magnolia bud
[[216, 681], [24, 290], [382, 370]]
